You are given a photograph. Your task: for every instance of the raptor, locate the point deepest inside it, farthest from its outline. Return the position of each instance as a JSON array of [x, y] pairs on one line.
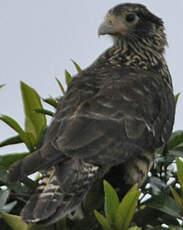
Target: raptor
[[118, 111]]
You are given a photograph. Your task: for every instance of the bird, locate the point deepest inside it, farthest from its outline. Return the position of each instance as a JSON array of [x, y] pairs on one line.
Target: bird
[[116, 112]]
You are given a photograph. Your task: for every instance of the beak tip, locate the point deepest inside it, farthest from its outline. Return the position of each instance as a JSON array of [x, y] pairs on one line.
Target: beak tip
[[106, 28], [100, 31]]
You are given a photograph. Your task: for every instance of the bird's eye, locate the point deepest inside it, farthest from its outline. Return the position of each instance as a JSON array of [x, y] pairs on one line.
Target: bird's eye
[[130, 17]]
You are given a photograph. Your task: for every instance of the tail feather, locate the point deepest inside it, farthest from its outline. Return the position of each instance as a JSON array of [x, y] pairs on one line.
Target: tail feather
[[44, 202], [65, 190], [40, 159]]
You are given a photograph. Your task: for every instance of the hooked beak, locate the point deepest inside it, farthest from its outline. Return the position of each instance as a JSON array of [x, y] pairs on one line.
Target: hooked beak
[[112, 27], [106, 28]]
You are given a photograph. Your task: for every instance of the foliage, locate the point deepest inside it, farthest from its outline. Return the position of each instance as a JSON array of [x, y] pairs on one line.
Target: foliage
[[118, 214], [2, 85], [157, 205]]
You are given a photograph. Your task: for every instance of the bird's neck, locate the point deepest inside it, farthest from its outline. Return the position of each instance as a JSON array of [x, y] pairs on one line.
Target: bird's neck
[[142, 54], [137, 53]]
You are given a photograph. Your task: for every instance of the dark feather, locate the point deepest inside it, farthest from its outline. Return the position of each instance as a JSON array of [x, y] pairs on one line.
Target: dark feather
[[113, 117]]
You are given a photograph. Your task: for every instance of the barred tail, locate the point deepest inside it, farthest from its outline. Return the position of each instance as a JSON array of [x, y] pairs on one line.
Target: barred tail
[[63, 193]]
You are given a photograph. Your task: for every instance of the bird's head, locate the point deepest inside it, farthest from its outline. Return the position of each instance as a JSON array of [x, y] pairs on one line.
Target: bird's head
[[133, 22]]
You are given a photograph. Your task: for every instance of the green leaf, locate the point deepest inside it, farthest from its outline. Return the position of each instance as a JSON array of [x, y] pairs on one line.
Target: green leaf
[[8, 159], [35, 122], [149, 216], [175, 139], [78, 68], [157, 185], [8, 207], [42, 137], [45, 111], [103, 221], [4, 194], [177, 198], [51, 101], [68, 77], [2, 85], [127, 208], [11, 141], [30, 141], [3, 176], [172, 154], [164, 203], [179, 148], [15, 222], [180, 172], [111, 201], [134, 228], [26, 137], [21, 189], [61, 86], [13, 124], [177, 97]]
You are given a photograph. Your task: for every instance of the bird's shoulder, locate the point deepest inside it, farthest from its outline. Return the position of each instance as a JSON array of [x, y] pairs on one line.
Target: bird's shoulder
[[135, 102], [106, 89]]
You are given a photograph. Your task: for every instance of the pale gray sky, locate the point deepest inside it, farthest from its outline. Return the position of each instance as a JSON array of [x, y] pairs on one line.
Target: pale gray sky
[[39, 37]]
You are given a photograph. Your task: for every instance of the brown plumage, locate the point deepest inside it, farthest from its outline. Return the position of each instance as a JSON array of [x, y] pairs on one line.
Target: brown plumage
[[116, 112]]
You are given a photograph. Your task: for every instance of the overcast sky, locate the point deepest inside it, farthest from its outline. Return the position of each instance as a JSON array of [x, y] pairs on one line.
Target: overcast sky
[[39, 37]]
